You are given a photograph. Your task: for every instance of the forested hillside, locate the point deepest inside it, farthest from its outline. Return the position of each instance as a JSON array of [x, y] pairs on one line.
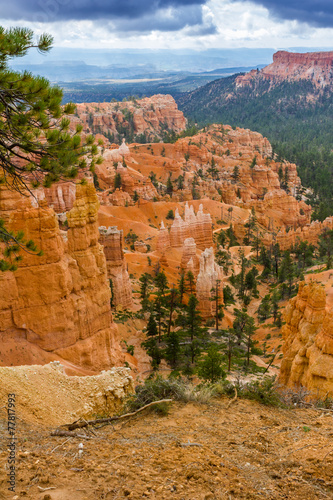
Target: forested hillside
[[296, 117]]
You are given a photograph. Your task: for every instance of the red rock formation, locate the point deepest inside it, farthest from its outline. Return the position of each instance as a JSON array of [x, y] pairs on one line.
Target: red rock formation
[[197, 226], [61, 300], [210, 276], [308, 341], [132, 181], [118, 198], [140, 246], [148, 116], [163, 239], [309, 233], [61, 196], [190, 261], [112, 241], [314, 66]]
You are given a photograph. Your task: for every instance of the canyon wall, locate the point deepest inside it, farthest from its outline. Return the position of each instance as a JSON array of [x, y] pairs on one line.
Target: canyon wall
[[112, 241], [309, 233], [149, 116], [308, 341], [59, 301], [314, 66]]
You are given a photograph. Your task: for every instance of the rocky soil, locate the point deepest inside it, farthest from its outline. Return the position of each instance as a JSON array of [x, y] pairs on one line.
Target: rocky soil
[[197, 452]]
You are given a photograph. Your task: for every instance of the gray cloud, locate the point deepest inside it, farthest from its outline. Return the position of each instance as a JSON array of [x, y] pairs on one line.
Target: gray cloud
[[313, 12], [169, 19], [109, 10]]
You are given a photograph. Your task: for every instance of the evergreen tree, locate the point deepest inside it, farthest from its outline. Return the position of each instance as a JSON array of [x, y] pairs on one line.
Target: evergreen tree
[[265, 260], [171, 301], [190, 281], [235, 174], [240, 322], [287, 272], [264, 310], [211, 366], [221, 238], [153, 350], [169, 186], [112, 294], [325, 245], [192, 316], [228, 297], [37, 145], [231, 344], [136, 197], [160, 313], [181, 287], [145, 283], [173, 349], [249, 331], [275, 306], [215, 297], [231, 235], [161, 282], [151, 330], [117, 181]]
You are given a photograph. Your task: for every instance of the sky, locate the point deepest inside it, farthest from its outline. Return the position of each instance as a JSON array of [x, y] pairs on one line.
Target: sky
[[172, 24]]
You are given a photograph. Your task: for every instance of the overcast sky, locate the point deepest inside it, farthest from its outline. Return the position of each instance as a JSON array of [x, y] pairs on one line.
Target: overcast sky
[[196, 24]]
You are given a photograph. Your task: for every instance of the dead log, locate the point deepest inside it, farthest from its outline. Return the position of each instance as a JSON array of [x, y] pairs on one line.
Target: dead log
[[79, 424]]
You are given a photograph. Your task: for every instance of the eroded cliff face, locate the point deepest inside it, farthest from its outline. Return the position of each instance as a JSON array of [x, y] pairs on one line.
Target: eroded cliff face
[[314, 66], [149, 116], [309, 233], [59, 302], [112, 241], [308, 341]]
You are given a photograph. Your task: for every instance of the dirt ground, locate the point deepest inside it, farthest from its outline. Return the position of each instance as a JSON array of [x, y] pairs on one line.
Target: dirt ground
[[196, 452]]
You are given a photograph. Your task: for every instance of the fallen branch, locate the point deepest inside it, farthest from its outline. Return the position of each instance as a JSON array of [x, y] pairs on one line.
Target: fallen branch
[[62, 433], [233, 399], [45, 489], [269, 364], [85, 423]]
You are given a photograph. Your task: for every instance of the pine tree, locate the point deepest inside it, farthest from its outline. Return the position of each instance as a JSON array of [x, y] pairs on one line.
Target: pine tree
[[117, 181], [231, 344], [173, 349], [190, 280], [169, 186], [181, 288], [161, 282], [211, 366], [325, 245], [151, 330], [264, 309], [192, 316], [249, 331], [37, 145]]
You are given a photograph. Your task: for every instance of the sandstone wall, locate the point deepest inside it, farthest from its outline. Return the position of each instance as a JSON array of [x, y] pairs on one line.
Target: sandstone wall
[[314, 66], [112, 241], [149, 115], [61, 300], [309, 233], [308, 341]]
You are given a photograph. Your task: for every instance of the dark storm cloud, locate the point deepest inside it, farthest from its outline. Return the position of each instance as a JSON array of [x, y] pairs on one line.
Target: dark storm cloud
[[171, 19], [314, 12], [108, 10]]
